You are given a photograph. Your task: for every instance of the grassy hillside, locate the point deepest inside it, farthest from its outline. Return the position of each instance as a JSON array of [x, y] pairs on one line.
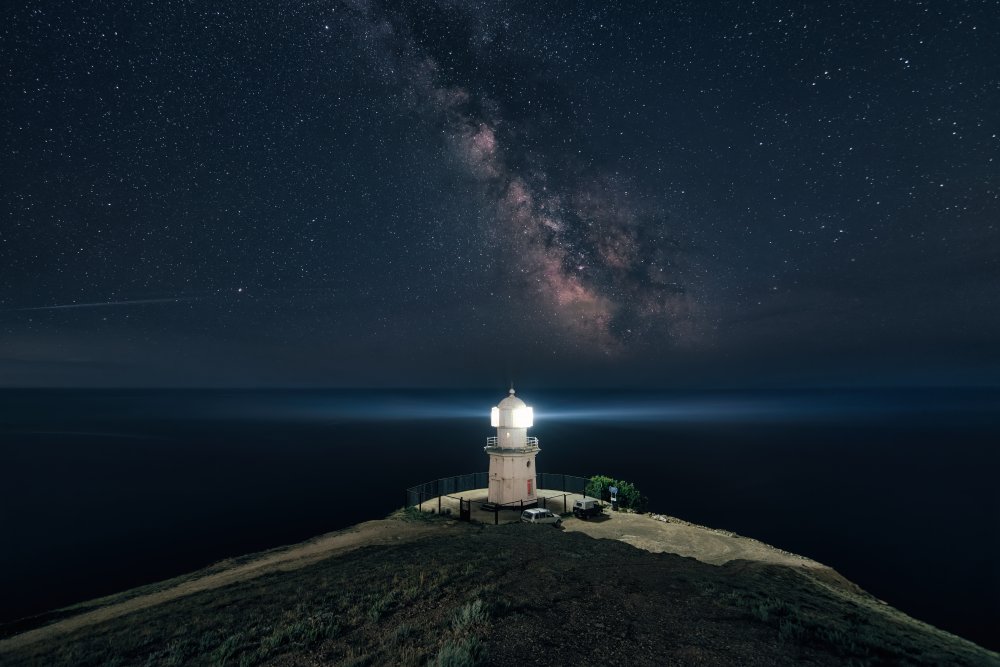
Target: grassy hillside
[[512, 594]]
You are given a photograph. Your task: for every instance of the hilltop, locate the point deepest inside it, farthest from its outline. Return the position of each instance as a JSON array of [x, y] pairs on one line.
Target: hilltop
[[418, 589]]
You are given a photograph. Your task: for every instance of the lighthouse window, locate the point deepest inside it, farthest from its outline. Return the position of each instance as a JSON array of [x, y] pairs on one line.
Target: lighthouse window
[[529, 463]]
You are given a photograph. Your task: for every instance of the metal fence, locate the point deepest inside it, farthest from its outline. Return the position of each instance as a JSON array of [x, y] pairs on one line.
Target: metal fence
[[446, 486], [558, 482]]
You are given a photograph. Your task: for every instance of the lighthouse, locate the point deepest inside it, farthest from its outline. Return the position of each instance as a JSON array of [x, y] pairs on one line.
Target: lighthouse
[[512, 453]]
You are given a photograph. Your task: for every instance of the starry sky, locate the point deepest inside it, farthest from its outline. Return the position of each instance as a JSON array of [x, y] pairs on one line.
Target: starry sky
[[454, 192]]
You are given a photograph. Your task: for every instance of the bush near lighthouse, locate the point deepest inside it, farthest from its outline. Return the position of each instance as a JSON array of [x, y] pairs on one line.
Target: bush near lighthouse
[[629, 497]]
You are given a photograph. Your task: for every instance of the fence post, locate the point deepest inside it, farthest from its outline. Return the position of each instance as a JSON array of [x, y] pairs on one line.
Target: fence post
[[458, 483], [496, 515]]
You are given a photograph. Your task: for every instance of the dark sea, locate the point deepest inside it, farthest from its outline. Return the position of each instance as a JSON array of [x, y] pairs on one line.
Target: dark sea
[[104, 490]]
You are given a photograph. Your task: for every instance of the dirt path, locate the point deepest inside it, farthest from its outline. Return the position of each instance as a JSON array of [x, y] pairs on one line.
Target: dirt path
[[642, 531], [676, 536], [301, 555]]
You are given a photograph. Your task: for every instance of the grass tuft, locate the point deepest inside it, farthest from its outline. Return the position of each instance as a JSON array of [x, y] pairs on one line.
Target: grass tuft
[[467, 652], [381, 604], [468, 616]]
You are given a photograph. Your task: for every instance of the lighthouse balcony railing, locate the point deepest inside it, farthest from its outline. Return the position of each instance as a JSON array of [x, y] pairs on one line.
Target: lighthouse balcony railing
[[531, 442]]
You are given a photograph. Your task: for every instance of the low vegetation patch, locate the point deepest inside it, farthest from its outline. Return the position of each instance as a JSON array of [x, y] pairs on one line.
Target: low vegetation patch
[[413, 514], [806, 614], [374, 606], [511, 594]]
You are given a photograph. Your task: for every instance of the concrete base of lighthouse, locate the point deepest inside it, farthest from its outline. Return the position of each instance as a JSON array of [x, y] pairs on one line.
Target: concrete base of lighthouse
[[512, 476]]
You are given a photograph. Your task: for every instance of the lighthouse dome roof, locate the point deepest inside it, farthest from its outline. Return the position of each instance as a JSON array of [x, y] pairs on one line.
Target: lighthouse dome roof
[[511, 402]]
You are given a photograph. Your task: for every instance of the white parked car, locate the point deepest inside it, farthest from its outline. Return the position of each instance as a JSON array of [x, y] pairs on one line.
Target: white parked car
[[539, 515]]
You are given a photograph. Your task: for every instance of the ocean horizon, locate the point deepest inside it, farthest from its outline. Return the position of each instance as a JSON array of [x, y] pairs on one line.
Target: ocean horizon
[[108, 489]]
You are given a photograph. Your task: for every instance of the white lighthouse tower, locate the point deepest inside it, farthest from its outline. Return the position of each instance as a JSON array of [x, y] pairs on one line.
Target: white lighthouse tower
[[512, 453]]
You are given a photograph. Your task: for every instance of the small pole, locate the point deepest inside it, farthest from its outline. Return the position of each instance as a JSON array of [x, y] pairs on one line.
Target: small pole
[[439, 505], [496, 515], [564, 503]]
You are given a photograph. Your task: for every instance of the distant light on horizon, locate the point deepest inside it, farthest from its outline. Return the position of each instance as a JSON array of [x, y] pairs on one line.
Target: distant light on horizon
[[736, 407]]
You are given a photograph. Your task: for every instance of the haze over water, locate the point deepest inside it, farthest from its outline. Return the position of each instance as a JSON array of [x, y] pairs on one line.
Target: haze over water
[[895, 489]]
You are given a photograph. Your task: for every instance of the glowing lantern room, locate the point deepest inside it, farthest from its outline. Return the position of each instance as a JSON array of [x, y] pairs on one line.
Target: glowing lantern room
[[512, 453]]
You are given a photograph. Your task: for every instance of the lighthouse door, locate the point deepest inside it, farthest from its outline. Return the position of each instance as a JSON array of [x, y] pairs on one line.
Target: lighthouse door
[[531, 483]]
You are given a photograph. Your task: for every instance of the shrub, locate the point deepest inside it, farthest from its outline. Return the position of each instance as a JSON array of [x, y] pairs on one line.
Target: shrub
[[598, 486], [628, 495]]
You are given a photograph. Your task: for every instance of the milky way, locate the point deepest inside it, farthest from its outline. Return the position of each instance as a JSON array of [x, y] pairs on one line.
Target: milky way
[[601, 265], [385, 192]]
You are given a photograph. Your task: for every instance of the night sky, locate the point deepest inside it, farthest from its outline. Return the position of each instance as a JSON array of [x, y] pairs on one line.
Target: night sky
[[452, 192]]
